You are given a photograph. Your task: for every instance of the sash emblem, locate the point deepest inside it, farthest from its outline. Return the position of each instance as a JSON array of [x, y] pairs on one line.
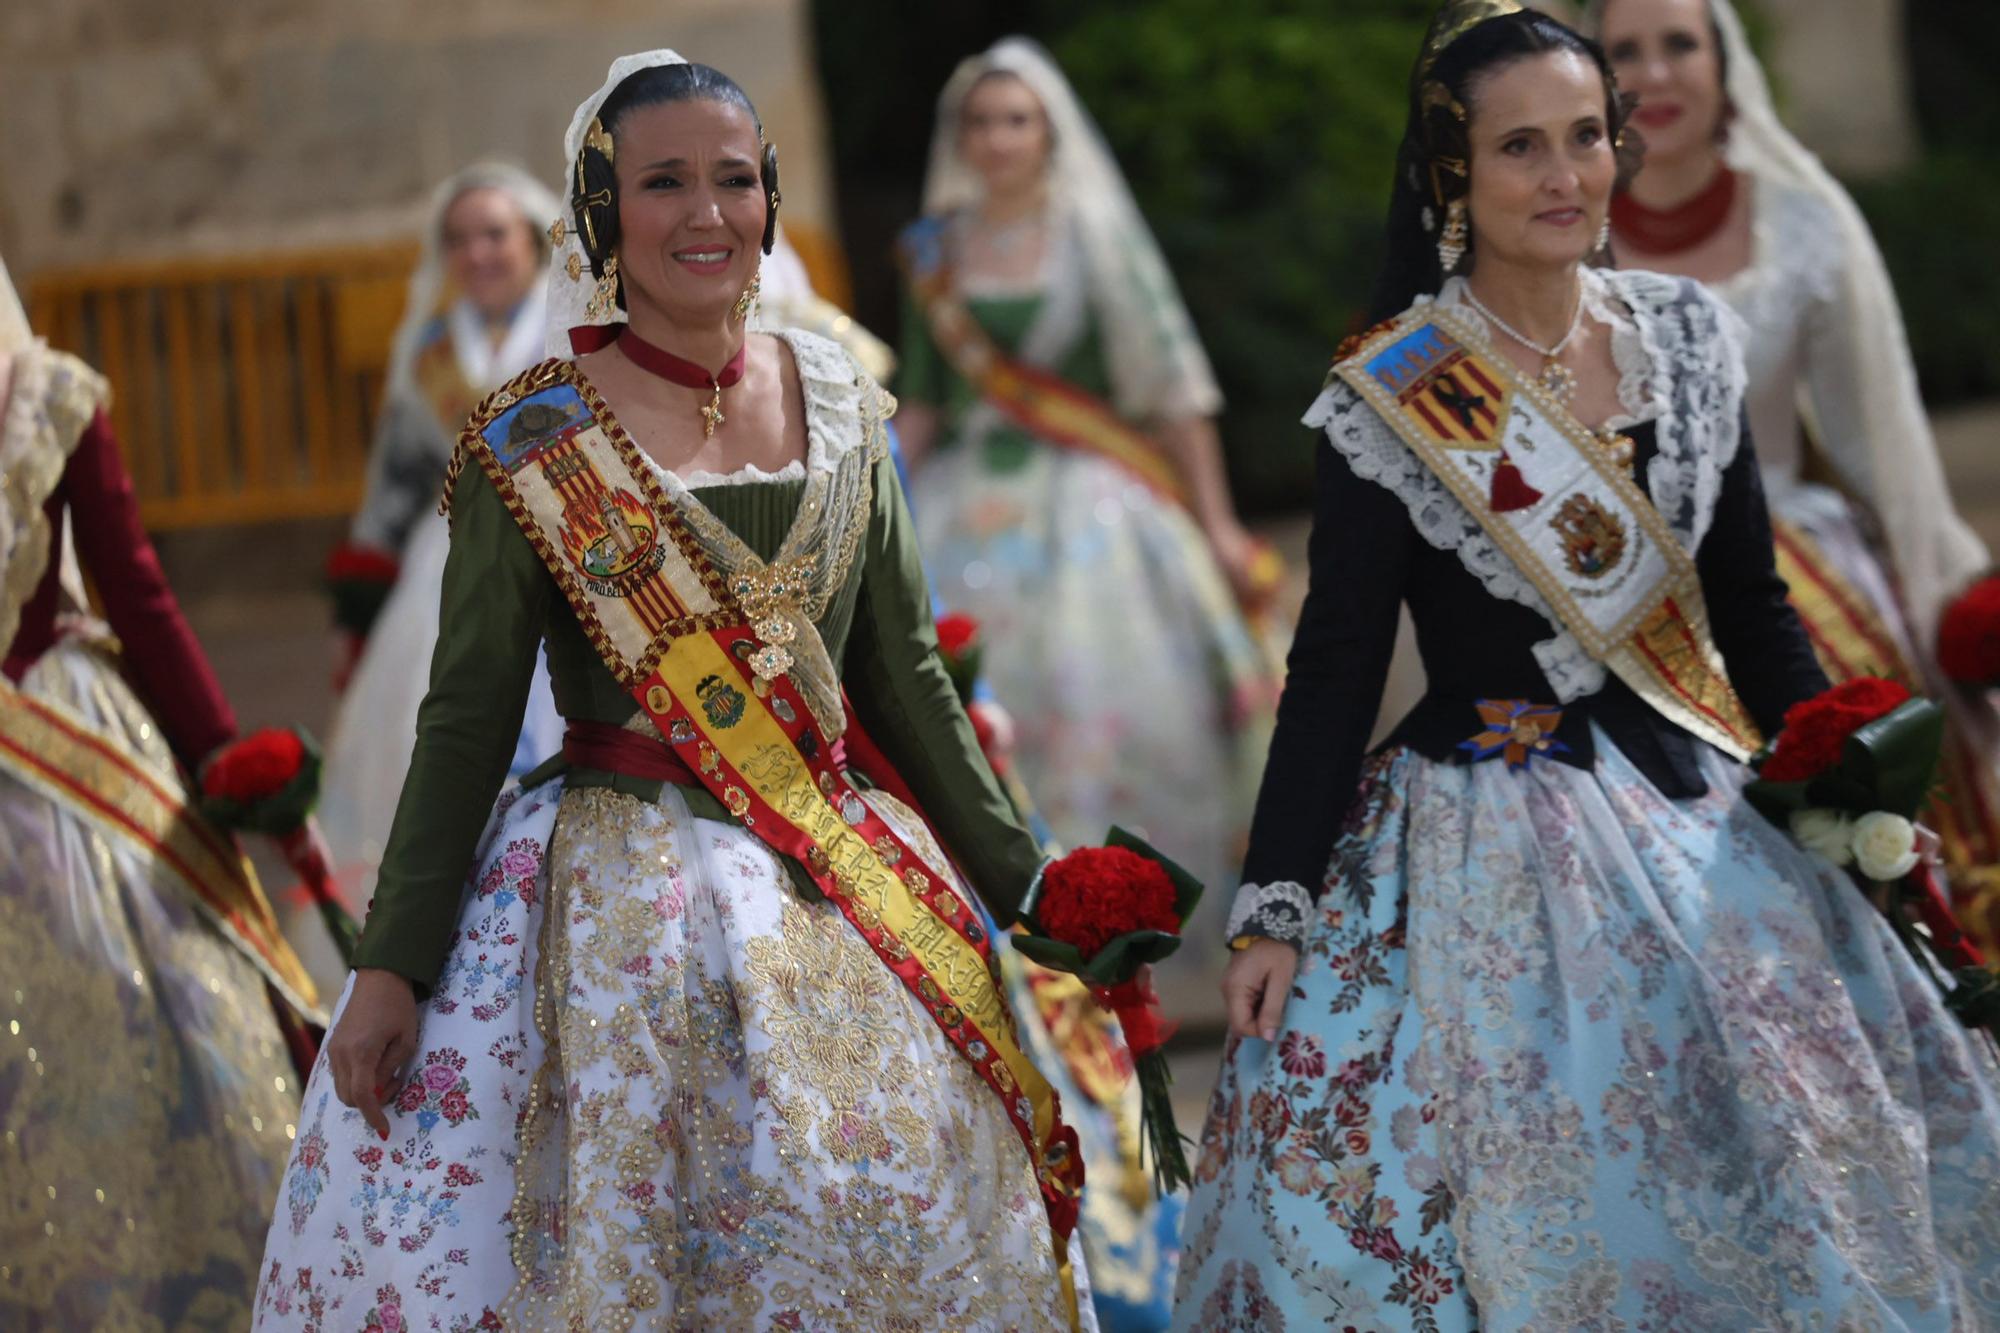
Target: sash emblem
[[723, 702], [1593, 538]]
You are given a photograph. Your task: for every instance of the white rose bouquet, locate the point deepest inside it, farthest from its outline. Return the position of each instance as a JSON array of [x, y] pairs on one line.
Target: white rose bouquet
[[1847, 776]]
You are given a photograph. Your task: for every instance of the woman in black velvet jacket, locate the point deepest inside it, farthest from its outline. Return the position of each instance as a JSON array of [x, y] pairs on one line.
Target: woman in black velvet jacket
[[1537, 1023]]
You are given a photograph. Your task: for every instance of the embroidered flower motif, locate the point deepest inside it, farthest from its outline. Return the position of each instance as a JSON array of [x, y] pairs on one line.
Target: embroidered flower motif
[[1301, 1055]]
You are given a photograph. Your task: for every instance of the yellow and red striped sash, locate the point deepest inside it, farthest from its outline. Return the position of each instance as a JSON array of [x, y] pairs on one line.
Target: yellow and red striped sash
[[1038, 401]]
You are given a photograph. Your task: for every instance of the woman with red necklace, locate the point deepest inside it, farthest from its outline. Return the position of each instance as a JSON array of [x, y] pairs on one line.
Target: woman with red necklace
[[1877, 557], [698, 1032]]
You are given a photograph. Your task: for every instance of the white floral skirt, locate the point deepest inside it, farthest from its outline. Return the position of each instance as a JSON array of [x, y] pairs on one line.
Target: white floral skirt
[[656, 1089], [146, 1093]]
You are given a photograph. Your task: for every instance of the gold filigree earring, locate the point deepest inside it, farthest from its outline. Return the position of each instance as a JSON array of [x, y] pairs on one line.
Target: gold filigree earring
[[604, 299], [1452, 241], [748, 301]]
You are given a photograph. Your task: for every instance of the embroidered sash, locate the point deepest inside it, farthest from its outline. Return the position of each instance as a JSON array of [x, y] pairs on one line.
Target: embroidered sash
[[1038, 401], [677, 636], [1578, 526], [94, 776]]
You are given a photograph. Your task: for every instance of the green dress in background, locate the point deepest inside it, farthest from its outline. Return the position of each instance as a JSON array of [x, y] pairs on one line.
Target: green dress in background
[[1110, 634]]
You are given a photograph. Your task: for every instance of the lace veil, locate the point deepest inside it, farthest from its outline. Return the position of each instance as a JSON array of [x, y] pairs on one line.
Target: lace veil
[[1158, 369]]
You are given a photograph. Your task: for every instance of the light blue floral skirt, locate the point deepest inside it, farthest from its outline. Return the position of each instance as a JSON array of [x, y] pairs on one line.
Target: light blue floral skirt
[[1565, 1054]]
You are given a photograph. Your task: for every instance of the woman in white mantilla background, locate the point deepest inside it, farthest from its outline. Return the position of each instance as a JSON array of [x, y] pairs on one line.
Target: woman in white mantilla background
[[1875, 553], [1057, 415], [473, 319]]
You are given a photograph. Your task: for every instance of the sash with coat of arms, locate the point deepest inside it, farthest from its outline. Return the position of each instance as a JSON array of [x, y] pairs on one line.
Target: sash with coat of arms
[[676, 634], [1573, 519]]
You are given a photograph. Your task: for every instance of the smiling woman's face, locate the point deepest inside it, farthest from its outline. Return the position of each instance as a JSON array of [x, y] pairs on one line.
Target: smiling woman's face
[[1664, 51], [691, 207], [1542, 162]]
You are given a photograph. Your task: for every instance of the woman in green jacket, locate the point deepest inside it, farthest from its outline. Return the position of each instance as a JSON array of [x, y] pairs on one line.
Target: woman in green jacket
[[707, 1037]]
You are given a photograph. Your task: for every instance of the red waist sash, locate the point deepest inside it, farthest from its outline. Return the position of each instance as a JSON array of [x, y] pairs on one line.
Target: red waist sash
[[613, 749]]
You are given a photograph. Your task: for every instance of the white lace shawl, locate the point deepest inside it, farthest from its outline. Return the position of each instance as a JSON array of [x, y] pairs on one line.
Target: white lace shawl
[[1680, 361]]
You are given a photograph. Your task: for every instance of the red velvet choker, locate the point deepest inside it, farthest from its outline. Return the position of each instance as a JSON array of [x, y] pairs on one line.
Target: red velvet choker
[[679, 370], [1671, 230]]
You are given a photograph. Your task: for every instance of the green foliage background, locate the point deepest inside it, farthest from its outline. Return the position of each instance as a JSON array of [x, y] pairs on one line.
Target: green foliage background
[[1259, 137]]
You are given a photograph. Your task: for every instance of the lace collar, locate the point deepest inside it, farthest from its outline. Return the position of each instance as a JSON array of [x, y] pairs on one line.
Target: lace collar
[[1681, 368]]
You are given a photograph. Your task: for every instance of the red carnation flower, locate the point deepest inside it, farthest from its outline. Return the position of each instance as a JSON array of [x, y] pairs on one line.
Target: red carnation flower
[[1817, 729], [1969, 635], [256, 768], [362, 563], [1095, 894], [956, 633]]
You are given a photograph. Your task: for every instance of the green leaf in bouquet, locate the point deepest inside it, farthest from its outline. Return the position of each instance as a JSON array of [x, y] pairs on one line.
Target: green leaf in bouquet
[[1056, 955], [1117, 960], [1121, 957], [1187, 889], [1896, 757], [1776, 801], [1975, 998]]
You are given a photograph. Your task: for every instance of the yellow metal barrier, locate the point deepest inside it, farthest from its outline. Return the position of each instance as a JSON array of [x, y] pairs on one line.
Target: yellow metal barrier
[[243, 389]]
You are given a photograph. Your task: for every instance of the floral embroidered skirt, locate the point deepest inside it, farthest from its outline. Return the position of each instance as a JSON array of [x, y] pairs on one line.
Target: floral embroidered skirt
[[146, 1093], [656, 1089], [1565, 1054], [1113, 640]]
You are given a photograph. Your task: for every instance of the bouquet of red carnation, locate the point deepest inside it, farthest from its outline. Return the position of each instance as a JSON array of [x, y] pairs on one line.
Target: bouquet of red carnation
[[1101, 914], [1969, 636], [1847, 776], [360, 579], [960, 646], [268, 782]]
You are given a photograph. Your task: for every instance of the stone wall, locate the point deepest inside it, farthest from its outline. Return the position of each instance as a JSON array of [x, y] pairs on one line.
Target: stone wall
[[164, 128]]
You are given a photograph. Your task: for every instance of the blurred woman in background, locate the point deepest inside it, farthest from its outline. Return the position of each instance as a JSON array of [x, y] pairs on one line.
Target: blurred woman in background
[[152, 1007], [473, 320], [1868, 538], [1058, 418]]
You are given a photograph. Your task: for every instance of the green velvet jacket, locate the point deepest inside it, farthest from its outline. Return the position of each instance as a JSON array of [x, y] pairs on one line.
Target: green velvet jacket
[[499, 603]]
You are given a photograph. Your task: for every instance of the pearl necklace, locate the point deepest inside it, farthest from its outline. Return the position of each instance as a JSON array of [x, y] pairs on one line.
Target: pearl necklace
[[1556, 377]]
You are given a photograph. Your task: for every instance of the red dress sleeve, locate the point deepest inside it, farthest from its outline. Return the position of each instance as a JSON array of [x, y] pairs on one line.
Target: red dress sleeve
[[162, 657]]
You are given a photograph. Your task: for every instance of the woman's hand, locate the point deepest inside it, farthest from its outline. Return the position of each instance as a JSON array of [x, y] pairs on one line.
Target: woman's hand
[[1238, 555], [375, 1037], [1256, 985]]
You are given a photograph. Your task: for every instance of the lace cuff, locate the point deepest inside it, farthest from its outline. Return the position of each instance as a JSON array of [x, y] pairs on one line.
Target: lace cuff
[[1270, 911]]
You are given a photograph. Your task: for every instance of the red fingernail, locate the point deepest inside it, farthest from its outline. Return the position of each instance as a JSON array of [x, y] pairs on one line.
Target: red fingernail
[[380, 1088], [385, 1135]]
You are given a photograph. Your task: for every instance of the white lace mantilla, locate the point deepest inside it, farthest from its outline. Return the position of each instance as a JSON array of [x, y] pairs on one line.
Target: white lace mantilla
[[1680, 360], [846, 433]]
